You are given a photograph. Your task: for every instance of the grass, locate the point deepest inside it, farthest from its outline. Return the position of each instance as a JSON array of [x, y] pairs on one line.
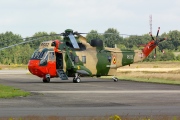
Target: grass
[[155, 77], [156, 72], [158, 64], [10, 92], [12, 66], [149, 80], [146, 79]]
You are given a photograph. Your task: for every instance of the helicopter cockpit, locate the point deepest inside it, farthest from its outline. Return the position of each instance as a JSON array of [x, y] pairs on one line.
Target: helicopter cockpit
[[43, 56]]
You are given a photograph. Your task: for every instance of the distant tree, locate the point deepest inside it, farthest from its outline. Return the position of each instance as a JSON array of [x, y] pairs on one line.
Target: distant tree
[[9, 38], [135, 42], [121, 46], [111, 37], [168, 56], [178, 57], [166, 45]]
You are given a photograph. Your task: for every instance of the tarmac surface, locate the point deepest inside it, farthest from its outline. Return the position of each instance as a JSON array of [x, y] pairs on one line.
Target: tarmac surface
[[91, 97]]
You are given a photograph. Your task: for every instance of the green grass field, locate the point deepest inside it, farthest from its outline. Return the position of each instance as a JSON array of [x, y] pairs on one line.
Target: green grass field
[[12, 66], [10, 92], [158, 72]]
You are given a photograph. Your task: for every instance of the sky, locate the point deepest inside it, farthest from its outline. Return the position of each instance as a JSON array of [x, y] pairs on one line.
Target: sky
[[26, 17]]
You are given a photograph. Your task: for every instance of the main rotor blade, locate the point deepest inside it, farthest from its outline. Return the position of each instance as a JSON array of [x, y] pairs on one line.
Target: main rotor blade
[[16, 44], [27, 40], [73, 41], [110, 34]]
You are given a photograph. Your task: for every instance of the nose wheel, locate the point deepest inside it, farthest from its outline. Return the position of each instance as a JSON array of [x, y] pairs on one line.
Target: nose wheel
[[46, 79], [76, 79]]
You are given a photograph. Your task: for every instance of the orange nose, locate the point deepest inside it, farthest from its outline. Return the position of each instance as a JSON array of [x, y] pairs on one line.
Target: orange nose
[[33, 66]]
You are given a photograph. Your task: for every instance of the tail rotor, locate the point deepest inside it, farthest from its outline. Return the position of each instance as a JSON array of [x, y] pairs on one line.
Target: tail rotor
[[156, 40]]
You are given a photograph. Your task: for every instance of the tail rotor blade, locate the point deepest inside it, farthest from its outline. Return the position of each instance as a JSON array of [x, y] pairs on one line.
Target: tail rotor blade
[[151, 35], [162, 39], [157, 32], [155, 53]]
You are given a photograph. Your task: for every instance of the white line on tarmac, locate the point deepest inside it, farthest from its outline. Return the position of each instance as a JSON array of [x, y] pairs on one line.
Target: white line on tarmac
[[14, 72], [128, 91]]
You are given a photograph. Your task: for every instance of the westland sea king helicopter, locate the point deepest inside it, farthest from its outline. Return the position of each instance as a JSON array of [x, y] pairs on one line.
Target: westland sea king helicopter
[[74, 57]]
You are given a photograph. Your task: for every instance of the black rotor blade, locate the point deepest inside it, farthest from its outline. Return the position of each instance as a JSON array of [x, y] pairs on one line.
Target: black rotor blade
[[151, 35], [157, 32], [155, 53], [17, 44], [73, 41], [29, 39], [109, 34], [162, 39]]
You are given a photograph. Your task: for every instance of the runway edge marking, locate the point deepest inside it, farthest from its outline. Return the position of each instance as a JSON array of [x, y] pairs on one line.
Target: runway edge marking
[[121, 92]]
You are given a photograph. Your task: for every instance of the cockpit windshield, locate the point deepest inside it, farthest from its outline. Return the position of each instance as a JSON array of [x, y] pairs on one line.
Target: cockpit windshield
[[35, 54], [42, 54], [39, 55]]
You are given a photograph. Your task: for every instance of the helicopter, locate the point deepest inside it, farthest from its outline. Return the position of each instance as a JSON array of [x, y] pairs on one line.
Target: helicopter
[[75, 57]]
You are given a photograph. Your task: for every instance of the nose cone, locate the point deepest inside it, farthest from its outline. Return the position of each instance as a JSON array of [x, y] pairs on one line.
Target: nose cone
[[33, 66]]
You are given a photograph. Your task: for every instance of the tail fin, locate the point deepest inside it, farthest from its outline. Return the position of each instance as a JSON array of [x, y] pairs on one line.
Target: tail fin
[[149, 48], [152, 44]]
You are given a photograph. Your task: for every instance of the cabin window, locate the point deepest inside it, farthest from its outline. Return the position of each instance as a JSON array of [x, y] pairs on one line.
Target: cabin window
[[51, 56], [76, 59], [84, 59]]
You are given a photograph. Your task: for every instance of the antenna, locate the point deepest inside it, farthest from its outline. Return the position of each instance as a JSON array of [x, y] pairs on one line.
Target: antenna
[[150, 23]]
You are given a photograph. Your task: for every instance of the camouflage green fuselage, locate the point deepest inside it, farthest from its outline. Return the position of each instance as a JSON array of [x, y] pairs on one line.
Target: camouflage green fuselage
[[96, 61]]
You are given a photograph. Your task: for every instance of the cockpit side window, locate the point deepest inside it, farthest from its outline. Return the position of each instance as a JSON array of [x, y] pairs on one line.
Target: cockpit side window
[[44, 58]]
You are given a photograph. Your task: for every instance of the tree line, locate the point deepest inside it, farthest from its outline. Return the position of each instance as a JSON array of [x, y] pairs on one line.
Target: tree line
[[21, 54]]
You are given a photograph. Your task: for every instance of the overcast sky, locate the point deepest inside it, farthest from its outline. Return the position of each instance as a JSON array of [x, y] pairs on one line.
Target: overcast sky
[[25, 17]]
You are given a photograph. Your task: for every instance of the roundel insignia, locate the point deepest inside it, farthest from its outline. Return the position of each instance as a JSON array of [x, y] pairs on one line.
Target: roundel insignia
[[114, 60]]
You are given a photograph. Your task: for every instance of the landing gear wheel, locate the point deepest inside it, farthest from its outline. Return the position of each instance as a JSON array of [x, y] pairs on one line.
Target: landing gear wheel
[[76, 80], [115, 79], [46, 80]]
